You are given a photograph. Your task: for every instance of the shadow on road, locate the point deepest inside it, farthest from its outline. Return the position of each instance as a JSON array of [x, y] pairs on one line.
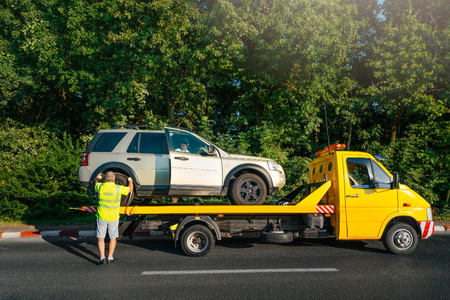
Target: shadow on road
[[366, 246], [160, 244], [76, 246], [79, 246]]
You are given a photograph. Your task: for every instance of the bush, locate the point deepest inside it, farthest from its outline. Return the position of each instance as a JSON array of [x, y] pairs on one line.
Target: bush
[[39, 177]]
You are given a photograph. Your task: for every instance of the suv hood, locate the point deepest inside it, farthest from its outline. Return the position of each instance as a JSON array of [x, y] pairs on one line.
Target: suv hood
[[248, 157]]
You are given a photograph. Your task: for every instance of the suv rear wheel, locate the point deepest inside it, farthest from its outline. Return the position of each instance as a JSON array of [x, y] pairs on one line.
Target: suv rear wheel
[[122, 179], [248, 189]]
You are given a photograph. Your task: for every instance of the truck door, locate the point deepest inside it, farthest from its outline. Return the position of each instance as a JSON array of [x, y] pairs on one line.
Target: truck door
[[369, 198], [192, 169]]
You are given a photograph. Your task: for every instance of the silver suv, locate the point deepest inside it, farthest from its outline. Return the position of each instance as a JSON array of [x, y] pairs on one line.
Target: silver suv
[[175, 162]]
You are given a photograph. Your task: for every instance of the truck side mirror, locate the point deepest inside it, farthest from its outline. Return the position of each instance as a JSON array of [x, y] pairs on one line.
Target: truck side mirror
[[396, 181]]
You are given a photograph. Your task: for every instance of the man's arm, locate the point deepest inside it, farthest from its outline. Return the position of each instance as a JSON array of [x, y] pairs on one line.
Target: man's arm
[[99, 177], [130, 184]]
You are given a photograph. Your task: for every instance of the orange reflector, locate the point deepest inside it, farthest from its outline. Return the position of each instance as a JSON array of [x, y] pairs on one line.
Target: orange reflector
[[220, 215], [406, 204], [327, 215], [333, 147]]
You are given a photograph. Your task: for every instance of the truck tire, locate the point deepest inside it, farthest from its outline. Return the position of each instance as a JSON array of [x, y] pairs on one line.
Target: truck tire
[[248, 189], [400, 238], [197, 240], [122, 179], [277, 237]]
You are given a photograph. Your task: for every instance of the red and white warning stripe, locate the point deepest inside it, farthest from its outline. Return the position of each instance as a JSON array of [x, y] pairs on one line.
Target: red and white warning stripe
[[427, 229], [90, 208], [325, 209]]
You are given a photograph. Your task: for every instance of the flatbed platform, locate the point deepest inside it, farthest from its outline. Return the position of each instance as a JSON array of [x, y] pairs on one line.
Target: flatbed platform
[[306, 205]]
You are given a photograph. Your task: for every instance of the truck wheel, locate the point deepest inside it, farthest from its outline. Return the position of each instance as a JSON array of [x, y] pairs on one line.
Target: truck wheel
[[277, 237], [248, 189], [197, 240], [123, 180], [400, 238]]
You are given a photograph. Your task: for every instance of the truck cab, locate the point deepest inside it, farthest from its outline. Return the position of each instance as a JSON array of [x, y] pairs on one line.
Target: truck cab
[[368, 199]]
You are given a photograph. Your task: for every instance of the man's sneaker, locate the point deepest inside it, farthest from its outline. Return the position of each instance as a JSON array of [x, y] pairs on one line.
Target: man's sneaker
[[102, 262], [110, 261]]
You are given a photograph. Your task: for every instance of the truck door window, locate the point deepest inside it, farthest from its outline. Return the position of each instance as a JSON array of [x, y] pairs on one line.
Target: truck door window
[[383, 181], [359, 173]]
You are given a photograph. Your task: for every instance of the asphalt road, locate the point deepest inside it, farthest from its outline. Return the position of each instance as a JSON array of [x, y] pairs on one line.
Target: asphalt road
[[66, 268]]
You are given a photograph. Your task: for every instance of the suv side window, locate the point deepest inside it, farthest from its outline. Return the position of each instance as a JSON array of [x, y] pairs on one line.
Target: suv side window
[[108, 141], [359, 173], [194, 145], [147, 142]]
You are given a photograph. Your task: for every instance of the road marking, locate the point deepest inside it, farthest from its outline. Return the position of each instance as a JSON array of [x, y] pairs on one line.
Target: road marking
[[237, 271]]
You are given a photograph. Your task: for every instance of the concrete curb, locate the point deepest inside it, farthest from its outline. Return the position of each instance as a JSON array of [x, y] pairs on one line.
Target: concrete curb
[[59, 233], [92, 233], [440, 228]]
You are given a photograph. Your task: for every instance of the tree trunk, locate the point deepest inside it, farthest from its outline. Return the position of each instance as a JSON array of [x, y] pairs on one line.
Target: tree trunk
[[170, 107], [394, 133], [259, 108], [349, 136]]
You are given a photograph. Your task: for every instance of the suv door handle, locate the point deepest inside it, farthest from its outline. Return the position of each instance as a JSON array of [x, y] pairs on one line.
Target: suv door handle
[[134, 158], [354, 196], [181, 158]]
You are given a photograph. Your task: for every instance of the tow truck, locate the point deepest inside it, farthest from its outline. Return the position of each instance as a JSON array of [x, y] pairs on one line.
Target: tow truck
[[350, 196]]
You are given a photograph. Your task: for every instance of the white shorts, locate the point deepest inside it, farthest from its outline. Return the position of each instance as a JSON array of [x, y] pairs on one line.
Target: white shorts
[[111, 226]]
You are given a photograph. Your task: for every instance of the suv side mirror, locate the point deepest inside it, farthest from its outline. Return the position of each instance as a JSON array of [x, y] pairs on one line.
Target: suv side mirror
[[211, 149], [396, 181]]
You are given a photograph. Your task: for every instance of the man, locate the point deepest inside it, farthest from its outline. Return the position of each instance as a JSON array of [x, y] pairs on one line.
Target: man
[[109, 195], [184, 145]]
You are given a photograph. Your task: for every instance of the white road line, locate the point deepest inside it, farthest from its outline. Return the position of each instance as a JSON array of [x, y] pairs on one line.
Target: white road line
[[198, 272]]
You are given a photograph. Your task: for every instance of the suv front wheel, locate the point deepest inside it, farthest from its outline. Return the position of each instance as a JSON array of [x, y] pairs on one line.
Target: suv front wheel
[[248, 189]]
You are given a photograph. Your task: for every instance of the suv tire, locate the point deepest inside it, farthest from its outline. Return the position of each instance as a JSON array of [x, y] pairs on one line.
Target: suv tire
[[276, 237], [122, 179], [248, 189]]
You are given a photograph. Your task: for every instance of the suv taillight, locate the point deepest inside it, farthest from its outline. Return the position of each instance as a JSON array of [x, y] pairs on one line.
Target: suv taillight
[[84, 159]]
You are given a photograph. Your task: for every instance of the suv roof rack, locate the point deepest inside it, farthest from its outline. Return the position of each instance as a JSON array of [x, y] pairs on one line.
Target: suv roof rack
[[148, 126], [136, 126]]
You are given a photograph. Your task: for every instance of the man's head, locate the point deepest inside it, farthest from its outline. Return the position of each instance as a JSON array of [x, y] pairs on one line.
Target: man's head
[[184, 144], [110, 176]]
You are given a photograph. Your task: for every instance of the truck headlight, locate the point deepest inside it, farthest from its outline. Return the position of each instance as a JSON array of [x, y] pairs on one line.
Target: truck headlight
[[429, 214]]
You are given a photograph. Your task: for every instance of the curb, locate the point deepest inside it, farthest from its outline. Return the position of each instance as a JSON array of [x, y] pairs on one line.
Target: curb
[[59, 233], [92, 233], [441, 228]]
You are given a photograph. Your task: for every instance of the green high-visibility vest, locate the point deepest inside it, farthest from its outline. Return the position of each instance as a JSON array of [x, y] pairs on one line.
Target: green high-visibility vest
[[109, 195]]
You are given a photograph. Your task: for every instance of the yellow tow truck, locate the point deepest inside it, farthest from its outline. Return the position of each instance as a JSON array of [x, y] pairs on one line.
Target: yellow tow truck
[[350, 196]]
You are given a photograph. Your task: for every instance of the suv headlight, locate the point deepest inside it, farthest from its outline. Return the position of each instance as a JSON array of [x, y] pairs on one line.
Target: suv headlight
[[273, 166]]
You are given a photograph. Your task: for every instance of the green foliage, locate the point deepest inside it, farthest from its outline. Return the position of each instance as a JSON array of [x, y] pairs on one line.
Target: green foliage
[[251, 76], [36, 167]]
